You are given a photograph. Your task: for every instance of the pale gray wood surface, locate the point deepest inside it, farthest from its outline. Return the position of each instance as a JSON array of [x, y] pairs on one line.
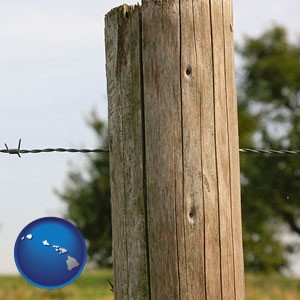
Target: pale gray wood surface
[[174, 151], [126, 153]]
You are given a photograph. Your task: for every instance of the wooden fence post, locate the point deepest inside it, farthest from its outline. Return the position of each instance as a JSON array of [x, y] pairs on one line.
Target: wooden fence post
[[174, 157]]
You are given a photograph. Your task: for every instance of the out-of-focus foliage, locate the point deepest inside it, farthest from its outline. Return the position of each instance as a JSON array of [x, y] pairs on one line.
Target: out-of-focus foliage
[[87, 195], [269, 116]]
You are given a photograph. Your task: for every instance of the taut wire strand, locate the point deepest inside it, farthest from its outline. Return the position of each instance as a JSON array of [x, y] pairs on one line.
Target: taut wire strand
[[20, 151], [270, 151]]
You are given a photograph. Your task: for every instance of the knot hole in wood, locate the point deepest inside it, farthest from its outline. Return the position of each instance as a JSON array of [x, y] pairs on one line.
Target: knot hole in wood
[[188, 71], [192, 215]]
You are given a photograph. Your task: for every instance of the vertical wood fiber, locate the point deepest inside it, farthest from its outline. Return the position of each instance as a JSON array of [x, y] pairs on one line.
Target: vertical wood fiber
[[233, 150], [162, 98], [174, 151], [222, 151], [126, 153], [197, 55]]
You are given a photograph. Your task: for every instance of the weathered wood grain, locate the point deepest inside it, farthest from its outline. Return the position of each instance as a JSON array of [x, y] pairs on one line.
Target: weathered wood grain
[[174, 151], [201, 201], [162, 100], [205, 85], [126, 153], [234, 150], [222, 149]]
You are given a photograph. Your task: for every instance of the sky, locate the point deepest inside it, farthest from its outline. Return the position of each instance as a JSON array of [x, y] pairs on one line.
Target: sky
[[52, 75]]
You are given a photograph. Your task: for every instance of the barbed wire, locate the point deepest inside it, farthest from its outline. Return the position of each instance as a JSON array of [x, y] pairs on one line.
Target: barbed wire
[[18, 151], [270, 151]]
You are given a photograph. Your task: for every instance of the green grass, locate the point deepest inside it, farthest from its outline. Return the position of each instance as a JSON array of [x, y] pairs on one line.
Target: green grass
[[91, 286], [271, 287], [94, 285]]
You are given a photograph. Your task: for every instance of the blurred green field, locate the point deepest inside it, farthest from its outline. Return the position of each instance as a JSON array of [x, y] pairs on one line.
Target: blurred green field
[[94, 285], [271, 287]]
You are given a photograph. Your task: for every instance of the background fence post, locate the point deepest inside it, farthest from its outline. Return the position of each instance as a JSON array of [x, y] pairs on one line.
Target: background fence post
[[174, 152]]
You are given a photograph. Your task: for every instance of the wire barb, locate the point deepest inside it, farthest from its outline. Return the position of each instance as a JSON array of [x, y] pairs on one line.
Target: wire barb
[[13, 151], [20, 151]]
